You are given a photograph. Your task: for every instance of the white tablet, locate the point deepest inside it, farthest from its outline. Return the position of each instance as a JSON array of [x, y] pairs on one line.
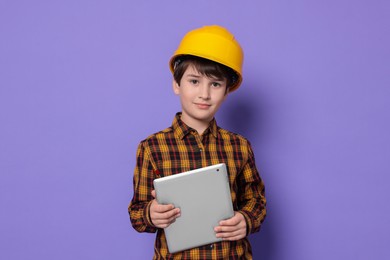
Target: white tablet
[[203, 196]]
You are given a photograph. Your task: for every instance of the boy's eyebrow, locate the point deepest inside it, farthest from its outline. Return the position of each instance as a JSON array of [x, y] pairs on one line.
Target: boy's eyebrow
[[194, 75], [199, 76]]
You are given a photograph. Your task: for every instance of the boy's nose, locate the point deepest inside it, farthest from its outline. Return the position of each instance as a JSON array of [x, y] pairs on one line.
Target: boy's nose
[[204, 91]]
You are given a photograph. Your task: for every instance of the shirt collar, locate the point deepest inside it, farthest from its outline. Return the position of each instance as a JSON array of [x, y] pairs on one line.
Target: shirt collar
[[181, 129]]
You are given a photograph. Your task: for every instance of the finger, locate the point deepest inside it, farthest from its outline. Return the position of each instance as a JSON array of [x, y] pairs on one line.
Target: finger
[[154, 193], [230, 222], [226, 229], [167, 214], [237, 234], [165, 225], [229, 233], [233, 238], [165, 221], [235, 220], [164, 208]]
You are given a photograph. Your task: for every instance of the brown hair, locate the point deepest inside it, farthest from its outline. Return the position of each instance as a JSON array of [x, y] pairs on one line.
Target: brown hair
[[205, 67]]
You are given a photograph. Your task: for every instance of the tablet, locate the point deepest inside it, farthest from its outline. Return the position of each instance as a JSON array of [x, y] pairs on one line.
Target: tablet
[[203, 196]]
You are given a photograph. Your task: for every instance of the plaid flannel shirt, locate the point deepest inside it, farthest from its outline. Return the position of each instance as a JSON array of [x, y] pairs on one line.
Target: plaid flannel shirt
[[180, 148]]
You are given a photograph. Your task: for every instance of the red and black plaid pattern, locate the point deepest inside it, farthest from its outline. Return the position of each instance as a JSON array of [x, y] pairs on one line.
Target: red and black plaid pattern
[[180, 148]]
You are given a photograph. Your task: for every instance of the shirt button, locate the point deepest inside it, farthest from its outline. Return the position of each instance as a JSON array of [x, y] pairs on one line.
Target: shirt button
[[200, 149], [211, 246]]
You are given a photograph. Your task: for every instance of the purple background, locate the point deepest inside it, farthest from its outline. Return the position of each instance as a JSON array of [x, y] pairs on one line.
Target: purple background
[[82, 82]]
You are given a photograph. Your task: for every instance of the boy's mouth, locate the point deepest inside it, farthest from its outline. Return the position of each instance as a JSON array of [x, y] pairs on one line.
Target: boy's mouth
[[202, 105]]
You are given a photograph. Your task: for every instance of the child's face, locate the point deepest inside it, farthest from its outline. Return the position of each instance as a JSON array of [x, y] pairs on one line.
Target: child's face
[[200, 96]]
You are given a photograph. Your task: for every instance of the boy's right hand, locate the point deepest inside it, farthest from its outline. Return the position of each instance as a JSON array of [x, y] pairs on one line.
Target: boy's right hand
[[162, 215]]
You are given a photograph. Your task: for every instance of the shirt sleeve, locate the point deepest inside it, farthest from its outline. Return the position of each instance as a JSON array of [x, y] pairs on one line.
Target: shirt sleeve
[[251, 198], [142, 198]]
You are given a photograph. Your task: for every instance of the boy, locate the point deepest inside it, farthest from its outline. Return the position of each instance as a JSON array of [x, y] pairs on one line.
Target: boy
[[206, 67]]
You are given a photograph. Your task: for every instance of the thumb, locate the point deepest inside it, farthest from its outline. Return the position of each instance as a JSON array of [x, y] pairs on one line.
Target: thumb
[[154, 193]]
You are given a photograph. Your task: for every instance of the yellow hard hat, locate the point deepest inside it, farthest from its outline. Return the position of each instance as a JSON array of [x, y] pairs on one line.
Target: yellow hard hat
[[213, 43]]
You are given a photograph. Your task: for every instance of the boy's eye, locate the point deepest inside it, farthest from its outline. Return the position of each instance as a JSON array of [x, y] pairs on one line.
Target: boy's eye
[[216, 84], [194, 81]]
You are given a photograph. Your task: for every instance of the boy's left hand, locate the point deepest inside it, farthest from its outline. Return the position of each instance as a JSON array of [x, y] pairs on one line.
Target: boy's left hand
[[233, 228]]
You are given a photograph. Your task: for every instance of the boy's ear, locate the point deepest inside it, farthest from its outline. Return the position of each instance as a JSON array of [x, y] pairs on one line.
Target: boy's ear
[[176, 87]]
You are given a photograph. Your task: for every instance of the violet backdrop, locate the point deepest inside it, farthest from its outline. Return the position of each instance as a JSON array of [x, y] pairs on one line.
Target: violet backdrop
[[82, 82]]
